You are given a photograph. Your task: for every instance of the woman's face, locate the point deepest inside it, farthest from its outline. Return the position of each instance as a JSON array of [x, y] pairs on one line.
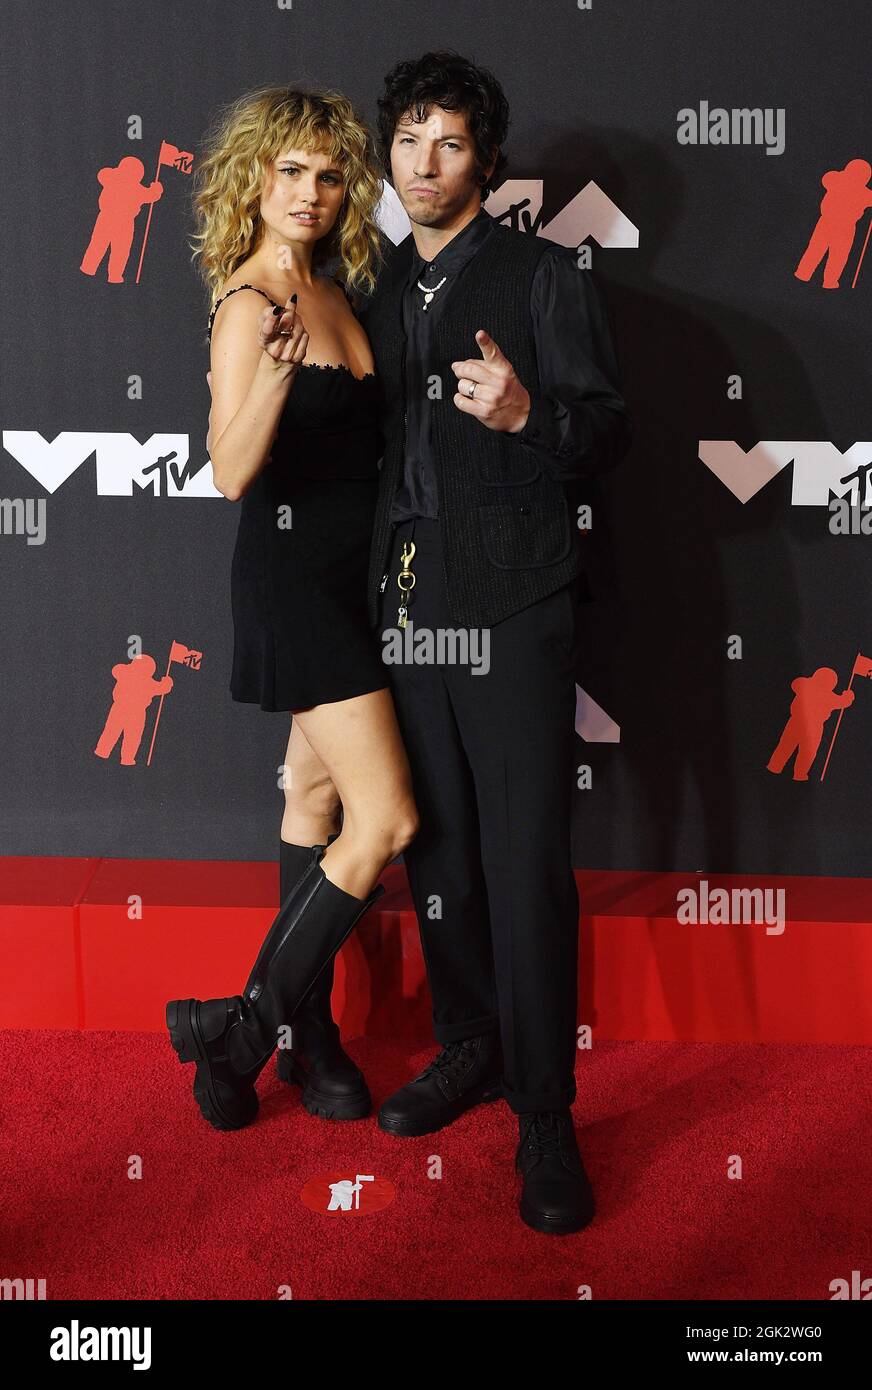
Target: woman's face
[[302, 196]]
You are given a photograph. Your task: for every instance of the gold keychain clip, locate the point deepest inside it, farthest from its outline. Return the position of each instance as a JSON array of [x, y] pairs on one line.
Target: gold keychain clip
[[405, 588]]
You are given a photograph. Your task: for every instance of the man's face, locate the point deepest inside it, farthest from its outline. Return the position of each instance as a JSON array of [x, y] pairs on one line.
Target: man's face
[[433, 166]]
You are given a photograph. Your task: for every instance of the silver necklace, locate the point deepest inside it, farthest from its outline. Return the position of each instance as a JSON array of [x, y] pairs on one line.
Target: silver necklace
[[429, 292]]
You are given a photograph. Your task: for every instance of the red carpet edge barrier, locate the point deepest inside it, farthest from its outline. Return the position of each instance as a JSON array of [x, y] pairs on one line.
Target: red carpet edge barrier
[[94, 943]]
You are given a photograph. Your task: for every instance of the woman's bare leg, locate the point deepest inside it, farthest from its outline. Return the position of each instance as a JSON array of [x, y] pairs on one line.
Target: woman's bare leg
[[312, 805], [359, 743]]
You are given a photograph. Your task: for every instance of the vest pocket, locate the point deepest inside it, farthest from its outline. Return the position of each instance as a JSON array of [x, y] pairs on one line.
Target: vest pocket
[[507, 469], [523, 535]]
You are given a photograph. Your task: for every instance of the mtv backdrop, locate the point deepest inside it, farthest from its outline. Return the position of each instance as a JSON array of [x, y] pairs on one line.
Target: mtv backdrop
[[711, 163]]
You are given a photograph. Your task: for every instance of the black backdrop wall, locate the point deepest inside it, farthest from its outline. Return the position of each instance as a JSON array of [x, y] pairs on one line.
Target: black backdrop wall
[[719, 580]]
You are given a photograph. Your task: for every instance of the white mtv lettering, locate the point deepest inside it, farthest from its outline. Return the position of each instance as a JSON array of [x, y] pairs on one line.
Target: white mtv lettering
[[819, 468], [159, 466], [590, 213], [519, 203]]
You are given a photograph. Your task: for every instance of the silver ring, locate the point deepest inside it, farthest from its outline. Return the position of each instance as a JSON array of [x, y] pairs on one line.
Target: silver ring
[[471, 391]]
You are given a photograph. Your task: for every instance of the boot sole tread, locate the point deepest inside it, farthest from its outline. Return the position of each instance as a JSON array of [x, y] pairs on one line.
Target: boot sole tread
[[410, 1130], [185, 1040], [322, 1106]]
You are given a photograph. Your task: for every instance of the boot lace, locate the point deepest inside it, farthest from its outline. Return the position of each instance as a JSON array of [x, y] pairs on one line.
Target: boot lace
[[543, 1133], [453, 1060]]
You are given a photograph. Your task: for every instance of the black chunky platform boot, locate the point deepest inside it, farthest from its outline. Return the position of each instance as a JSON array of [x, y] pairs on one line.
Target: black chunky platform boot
[[231, 1039], [333, 1086]]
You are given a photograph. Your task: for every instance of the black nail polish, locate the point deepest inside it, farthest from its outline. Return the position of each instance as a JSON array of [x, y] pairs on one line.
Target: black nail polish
[[293, 299], [276, 311]]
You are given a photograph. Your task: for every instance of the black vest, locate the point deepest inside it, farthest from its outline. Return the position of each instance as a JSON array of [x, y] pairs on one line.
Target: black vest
[[508, 537]]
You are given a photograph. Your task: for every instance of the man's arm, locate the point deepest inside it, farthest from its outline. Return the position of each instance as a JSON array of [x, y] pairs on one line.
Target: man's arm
[[578, 424]]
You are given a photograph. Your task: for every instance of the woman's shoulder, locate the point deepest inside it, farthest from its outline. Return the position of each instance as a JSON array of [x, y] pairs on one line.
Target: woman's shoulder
[[341, 291], [230, 290], [336, 280], [240, 281]]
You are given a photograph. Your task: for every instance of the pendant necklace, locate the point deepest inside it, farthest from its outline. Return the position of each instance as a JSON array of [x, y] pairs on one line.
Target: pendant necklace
[[428, 292]]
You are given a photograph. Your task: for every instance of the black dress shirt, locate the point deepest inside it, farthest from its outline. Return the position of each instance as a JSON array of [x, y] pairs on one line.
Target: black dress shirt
[[570, 426]]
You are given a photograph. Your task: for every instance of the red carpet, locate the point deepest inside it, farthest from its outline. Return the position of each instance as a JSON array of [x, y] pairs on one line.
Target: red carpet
[[219, 1216]]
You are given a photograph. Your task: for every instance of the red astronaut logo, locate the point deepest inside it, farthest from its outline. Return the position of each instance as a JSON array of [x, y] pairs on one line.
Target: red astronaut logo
[[122, 195], [847, 197], [814, 699], [135, 688], [352, 1193]]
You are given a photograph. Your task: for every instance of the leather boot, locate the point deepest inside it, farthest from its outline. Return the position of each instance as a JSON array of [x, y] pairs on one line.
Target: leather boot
[[464, 1074], [231, 1039], [556, 1196], [333, 1087]]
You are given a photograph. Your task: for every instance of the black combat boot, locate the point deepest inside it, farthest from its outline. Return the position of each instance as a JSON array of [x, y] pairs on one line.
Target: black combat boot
[[464, 1074], [557, 1196], [231, 1040], [333, 1087]]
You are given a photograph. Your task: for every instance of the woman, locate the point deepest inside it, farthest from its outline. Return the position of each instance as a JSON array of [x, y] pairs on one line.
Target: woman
[[290, 180]]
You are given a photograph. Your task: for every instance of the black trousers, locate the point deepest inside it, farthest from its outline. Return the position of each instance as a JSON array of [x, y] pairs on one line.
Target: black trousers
[[492, 760]]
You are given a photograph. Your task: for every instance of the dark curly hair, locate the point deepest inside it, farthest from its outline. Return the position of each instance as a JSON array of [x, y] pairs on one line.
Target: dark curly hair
[[448, 80]]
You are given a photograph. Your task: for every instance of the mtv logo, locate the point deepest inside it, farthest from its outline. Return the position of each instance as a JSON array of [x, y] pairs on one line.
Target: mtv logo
[[591, 213], [820, 470], [159, 466]]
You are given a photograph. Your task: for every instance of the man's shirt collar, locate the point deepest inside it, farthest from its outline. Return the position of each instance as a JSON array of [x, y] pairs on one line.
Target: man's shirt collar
[[455, 253]]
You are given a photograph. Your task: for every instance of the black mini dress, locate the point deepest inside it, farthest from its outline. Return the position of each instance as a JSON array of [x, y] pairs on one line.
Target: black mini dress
[[298, 578]]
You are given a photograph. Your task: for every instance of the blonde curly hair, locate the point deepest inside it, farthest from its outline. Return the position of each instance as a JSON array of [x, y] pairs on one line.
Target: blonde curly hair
[[241, 144]]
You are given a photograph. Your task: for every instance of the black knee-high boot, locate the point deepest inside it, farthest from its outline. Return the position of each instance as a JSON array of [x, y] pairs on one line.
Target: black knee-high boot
[[334, 1088], [231, 1039]]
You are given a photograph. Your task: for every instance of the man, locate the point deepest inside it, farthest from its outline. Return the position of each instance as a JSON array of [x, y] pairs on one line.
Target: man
[[502, 391]]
